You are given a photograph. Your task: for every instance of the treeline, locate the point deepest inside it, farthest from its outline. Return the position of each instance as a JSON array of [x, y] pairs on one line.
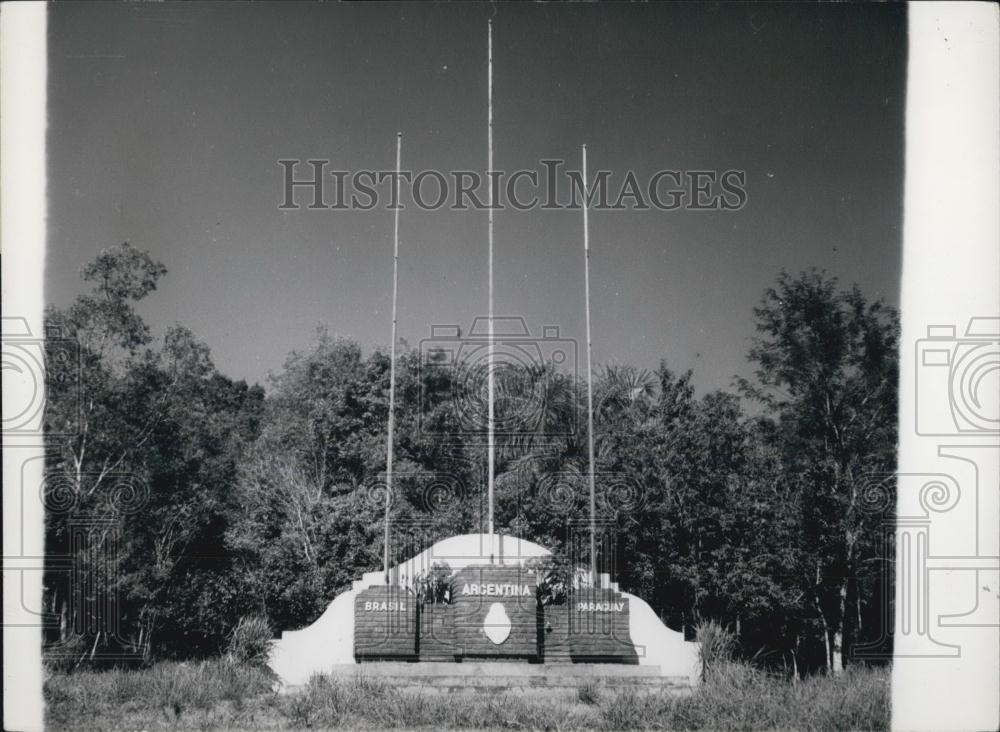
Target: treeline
[[180, 501]]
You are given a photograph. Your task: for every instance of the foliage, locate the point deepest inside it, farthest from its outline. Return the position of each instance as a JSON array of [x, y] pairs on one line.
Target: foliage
[[434, 584], [717, 645], [139, 477], [202, 501], [311, 491], [589, 692], [250, 642], [174, 692], [827, 375], [223, 696], [554, 576]]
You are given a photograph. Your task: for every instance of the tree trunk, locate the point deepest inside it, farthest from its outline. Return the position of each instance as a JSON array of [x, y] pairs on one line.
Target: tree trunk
[[837, 653], [93, 648], [835, 631], [851, 614], [827, 642], [847, 594], [63, 620], [832, 638], [795, 661]]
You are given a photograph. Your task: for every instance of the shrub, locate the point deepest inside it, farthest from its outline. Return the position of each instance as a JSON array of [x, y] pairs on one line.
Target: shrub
[[250, 641], [299, 708], [717, 645], [626, 710], [178, 687], [68, 654], [737, 696], [434, 584], [856, 700], [553, 578], [589, 692]]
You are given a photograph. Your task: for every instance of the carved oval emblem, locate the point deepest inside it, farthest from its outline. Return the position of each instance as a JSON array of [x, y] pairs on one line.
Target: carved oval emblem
[[496, 624]]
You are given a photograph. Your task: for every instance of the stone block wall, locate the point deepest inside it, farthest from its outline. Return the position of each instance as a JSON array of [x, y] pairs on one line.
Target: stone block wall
[[493, 614], [385, 624]]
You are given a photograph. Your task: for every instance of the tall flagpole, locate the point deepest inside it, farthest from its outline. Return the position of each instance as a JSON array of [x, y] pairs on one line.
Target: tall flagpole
[[491, 443], [590, 376], [392, 357]]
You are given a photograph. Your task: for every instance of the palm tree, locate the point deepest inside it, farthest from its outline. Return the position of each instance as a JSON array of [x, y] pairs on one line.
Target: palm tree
[[623, 387]]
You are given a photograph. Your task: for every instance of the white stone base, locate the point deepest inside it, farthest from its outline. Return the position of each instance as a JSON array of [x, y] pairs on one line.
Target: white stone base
[[328, 642], [658, 645]]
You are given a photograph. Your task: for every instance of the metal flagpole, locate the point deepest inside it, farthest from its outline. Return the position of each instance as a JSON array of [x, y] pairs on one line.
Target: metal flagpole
[[491, 443], [590, 376], [392, 356]]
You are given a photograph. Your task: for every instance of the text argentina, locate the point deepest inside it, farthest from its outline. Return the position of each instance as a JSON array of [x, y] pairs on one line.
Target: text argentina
[[497, 590]]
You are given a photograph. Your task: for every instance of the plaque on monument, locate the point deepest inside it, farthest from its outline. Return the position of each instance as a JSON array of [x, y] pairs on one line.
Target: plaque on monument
[[385, 624], [495, 612], [592, 625]]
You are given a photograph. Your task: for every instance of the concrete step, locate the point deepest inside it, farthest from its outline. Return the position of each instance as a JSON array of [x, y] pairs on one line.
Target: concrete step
[[496, 668], [552, 680], [512, 676]]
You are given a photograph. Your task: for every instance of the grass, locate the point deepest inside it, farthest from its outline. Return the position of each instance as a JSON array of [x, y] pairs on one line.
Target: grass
[[222, 695]]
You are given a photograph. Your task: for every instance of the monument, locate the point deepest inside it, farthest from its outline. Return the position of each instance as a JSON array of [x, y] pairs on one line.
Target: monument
[[491, 612]]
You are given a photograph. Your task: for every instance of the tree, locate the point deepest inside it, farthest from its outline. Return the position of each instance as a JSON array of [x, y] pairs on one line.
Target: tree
[[827, 375], [100, 427], [202, 501], [311, 487], [142, 456]]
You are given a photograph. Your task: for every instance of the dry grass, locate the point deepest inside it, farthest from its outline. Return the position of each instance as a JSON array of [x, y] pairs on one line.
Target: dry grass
[[220, 695]]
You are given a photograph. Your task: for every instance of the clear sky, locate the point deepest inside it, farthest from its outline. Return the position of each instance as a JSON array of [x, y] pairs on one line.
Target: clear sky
[[166, 122]]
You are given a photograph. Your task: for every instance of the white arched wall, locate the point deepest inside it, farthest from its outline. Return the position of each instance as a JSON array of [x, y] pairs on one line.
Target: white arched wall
[[658, 645]]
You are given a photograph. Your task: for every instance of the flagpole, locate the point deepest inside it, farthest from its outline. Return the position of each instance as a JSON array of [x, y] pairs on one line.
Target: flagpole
[[491, 397], [392, 356], [590, 376]]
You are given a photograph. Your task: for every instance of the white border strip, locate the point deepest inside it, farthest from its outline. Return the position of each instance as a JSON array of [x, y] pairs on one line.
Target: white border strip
[[23, 76], [945, 675]]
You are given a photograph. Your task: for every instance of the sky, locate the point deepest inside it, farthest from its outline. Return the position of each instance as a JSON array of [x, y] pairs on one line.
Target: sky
[[167, 121]]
